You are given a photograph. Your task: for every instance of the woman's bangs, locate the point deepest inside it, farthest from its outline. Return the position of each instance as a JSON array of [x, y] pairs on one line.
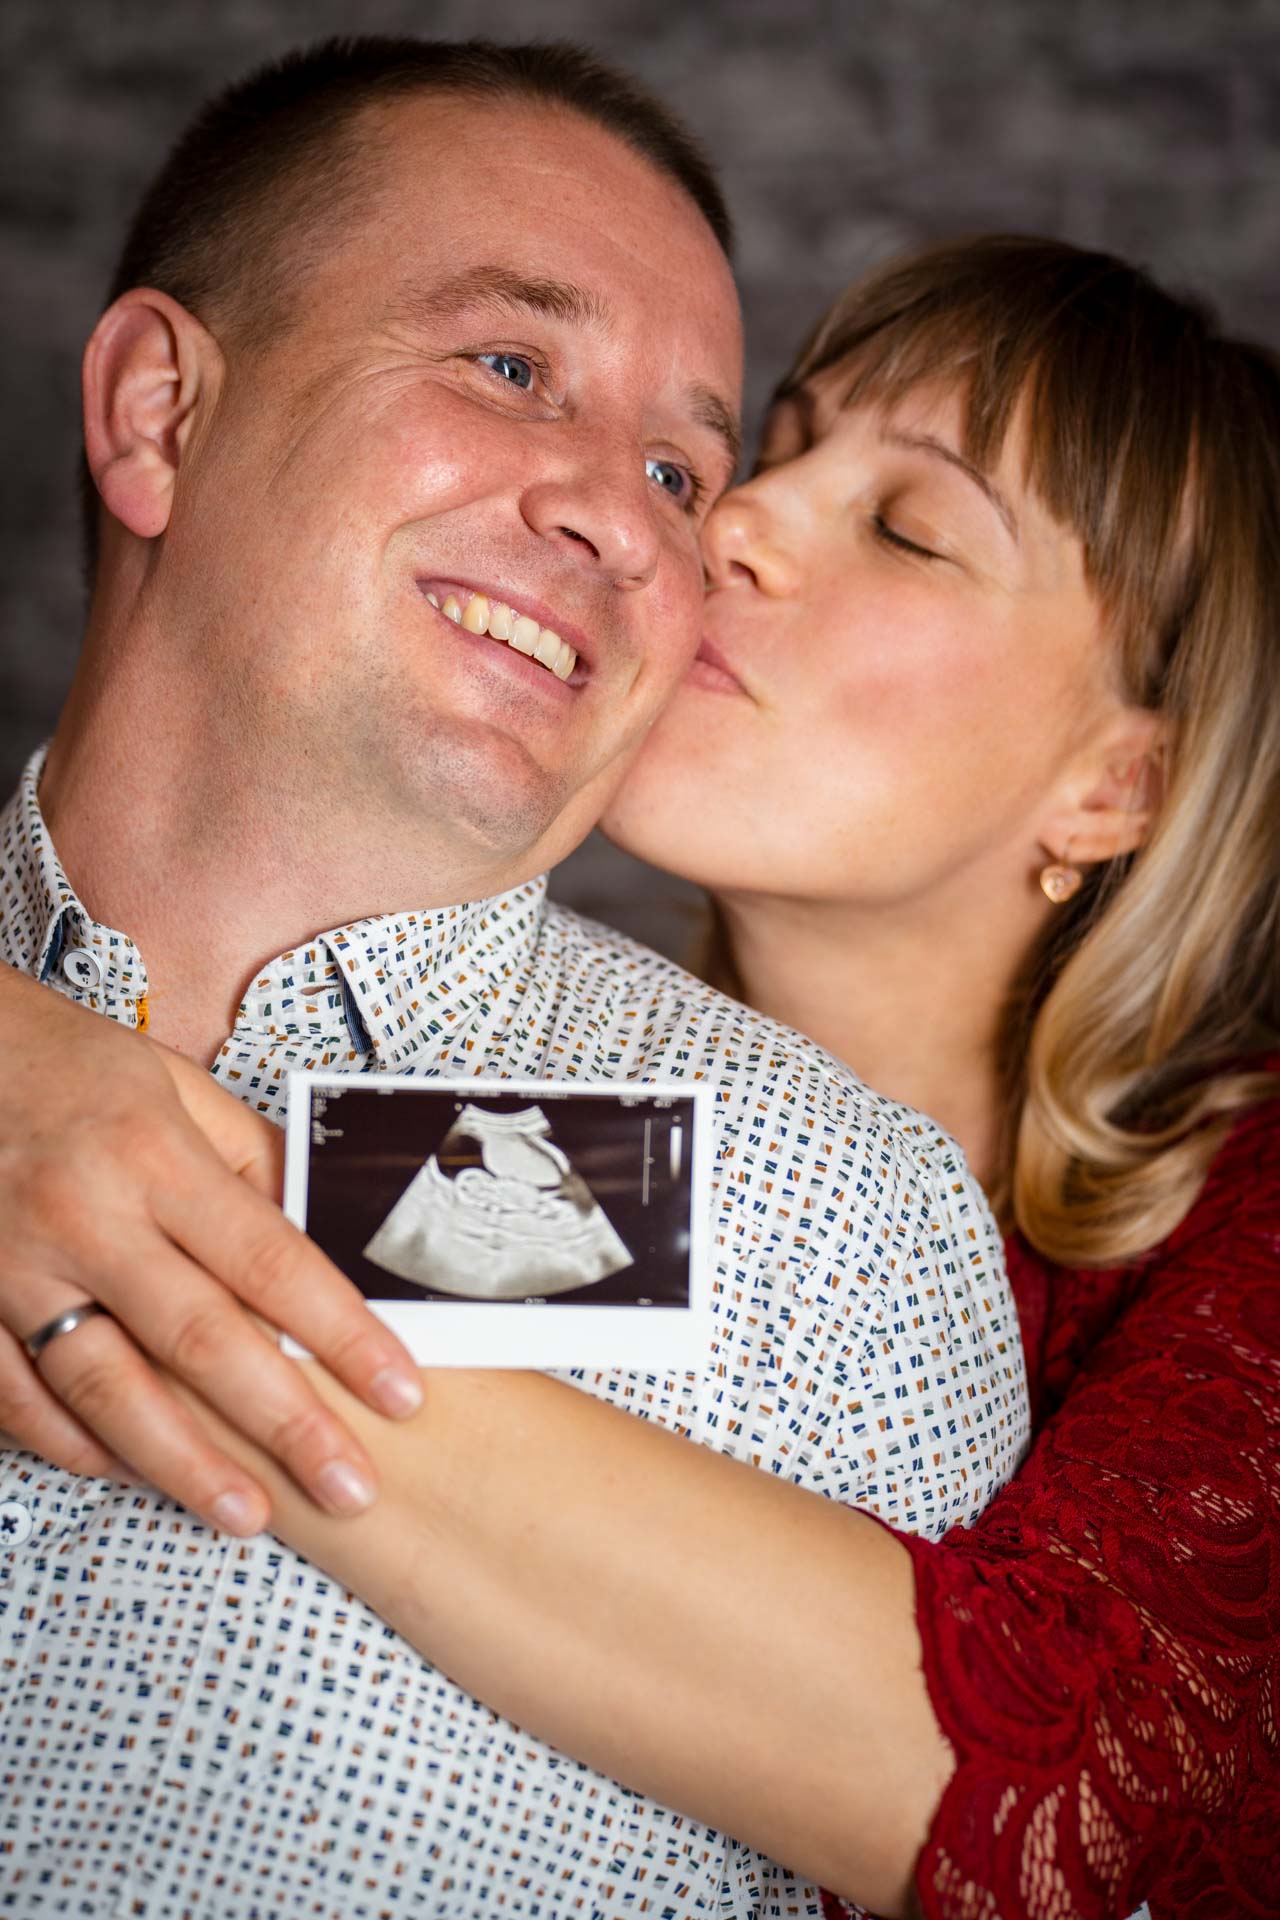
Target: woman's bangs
[[1103, 374]]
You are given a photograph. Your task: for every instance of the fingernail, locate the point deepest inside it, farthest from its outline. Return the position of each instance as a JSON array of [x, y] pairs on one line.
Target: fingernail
[[344, 1488], [236, 1513], [395, 1392]]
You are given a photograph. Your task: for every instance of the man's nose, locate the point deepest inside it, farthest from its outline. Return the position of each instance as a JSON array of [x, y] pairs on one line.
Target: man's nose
[[745, 544], [604, 513]]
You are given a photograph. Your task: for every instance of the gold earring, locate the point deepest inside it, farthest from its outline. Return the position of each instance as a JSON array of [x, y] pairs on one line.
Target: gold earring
[[1060, 882]]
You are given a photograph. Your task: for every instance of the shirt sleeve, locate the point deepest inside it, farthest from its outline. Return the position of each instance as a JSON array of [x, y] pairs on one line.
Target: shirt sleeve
[[930, 1405], [1102, 1648]]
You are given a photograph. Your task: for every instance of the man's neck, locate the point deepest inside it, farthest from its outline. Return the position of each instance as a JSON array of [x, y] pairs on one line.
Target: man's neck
[[912, 998], [173, 836]]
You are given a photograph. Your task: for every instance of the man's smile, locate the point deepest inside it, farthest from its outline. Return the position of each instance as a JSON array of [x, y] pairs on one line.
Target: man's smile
[[518, 626]]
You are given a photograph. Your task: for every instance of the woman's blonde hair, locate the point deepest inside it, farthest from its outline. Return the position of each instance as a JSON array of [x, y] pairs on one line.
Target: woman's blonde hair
[[1139, 1026]]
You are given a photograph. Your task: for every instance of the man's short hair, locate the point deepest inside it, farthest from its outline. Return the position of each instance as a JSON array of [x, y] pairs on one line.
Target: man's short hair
[[251, 192], [252, 189]]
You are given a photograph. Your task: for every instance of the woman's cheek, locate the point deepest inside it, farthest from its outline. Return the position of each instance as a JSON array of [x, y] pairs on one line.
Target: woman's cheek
[[905, 662]]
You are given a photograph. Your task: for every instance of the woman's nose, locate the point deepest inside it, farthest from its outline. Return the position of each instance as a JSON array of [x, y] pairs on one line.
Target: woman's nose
[[745, 543]]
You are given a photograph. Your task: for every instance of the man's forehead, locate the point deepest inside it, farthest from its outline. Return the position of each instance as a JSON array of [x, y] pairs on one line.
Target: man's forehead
[[529, 173], [520, 207], [433, 147]]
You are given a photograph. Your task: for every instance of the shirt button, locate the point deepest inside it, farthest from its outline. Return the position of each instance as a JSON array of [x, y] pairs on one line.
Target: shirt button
[[81, 968], [15, 1523]]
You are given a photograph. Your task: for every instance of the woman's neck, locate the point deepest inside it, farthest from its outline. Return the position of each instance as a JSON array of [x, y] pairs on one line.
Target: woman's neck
[[913, 1000]]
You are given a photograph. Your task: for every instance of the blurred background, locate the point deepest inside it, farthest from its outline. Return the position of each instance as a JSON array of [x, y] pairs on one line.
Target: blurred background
[[845, 129]]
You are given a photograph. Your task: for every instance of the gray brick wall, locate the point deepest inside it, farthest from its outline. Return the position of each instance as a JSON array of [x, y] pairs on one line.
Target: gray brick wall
[[844, 131]]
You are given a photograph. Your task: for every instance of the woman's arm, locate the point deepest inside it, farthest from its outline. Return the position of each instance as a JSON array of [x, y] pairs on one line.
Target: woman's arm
[[720, 1640], [1100, 1649], [128, 1176], [1103, 1647]]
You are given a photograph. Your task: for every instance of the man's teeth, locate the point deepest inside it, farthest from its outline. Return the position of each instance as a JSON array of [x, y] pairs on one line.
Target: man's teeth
[[501, 622], [525, 634]]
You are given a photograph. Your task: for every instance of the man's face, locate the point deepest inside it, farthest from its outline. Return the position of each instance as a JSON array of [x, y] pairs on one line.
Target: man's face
[[508, 382]]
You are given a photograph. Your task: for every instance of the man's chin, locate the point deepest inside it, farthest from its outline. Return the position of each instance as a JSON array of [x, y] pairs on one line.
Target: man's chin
[[490, 794]]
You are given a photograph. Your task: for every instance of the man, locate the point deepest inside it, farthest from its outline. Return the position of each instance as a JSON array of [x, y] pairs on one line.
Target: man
[[420, 365]]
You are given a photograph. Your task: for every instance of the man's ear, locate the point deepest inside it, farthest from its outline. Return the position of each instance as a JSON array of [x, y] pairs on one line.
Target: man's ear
[[148, 368], [1116, 797]]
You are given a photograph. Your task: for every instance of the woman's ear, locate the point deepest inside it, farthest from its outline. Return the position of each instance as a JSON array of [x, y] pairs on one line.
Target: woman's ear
[[1116, 797], [148, 369]]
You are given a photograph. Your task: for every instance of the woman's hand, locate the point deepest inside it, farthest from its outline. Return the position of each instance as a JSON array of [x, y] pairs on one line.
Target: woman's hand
[[130, 1178]]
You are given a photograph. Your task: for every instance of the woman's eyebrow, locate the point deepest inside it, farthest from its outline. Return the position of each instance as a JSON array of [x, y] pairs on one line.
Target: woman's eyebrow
[[926, 443]]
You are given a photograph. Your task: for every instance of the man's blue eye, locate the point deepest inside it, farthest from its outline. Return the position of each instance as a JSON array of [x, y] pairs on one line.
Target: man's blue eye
[[512, 367], [671, 478]]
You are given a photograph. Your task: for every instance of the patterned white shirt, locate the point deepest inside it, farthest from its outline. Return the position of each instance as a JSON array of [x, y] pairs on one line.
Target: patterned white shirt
[[192, 1725]]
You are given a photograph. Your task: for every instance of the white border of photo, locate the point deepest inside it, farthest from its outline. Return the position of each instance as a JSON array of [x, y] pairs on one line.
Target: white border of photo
[[518, 1334]]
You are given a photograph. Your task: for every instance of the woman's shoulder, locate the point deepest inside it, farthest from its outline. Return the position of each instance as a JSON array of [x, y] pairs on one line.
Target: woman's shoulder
[[1203, 1275], [1233, 1226], [1102, 1644], [1242, 1188], [1240, 1195]]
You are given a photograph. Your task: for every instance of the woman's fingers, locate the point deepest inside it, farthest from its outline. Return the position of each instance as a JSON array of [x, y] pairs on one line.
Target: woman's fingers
[[98, 1374], [166, 1306], [242, 1240], [129, 1178], [192, 1325], [246, 1143], [232, 1229], [31, 1417]]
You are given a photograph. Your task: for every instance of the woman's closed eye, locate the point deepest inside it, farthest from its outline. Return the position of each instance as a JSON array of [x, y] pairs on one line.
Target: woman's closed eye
[[892, 538]]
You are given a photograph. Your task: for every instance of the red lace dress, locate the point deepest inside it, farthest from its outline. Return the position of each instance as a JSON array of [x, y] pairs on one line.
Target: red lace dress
[[1102, 1648]]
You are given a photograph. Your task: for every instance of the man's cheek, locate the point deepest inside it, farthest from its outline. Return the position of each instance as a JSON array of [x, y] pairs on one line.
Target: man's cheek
[[677, 629]]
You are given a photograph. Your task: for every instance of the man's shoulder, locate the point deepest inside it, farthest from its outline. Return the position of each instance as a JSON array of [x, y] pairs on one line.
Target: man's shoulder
[[667, 1022]]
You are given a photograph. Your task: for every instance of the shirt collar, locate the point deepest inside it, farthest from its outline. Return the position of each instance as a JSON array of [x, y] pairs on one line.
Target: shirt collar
[[44, 928], [397, 984], [390, 985]]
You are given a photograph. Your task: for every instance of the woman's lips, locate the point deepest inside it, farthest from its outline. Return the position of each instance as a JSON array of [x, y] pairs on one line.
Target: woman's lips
[[711, 670]]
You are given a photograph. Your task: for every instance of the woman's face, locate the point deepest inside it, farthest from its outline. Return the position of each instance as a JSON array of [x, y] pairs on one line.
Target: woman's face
[[902, 672]]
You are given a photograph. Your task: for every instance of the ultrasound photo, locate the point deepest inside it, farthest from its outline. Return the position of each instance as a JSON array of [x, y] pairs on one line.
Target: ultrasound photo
[[512, 1223]]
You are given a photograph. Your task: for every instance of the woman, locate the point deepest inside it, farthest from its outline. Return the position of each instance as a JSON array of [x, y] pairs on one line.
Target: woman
[[993, 634]]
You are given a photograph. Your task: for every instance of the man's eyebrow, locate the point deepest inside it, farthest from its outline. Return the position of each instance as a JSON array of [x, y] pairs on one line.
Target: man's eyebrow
[[709, 410], [500, 289], [927, 443]]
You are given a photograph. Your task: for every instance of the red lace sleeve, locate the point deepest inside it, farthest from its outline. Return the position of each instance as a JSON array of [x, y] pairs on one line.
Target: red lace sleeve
[[1103, 1647]]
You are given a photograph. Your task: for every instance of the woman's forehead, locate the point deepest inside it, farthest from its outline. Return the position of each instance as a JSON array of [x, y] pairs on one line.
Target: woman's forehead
[[940, 403], [923, 429]]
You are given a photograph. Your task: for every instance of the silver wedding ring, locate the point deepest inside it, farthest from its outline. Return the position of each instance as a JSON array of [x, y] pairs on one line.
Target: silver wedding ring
[[64, 1323]]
